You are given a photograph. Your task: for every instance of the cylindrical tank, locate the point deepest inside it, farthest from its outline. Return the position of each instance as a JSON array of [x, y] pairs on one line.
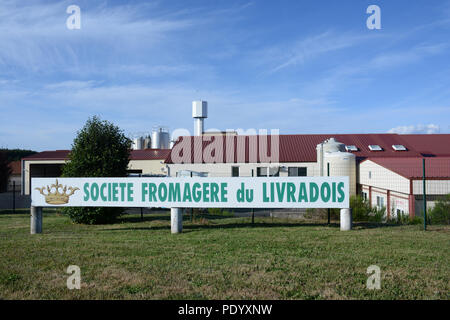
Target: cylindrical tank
[[331, 145], [341, 164], [160, 138], [199, 112], [147, 142], [165, 140], [138, 143]]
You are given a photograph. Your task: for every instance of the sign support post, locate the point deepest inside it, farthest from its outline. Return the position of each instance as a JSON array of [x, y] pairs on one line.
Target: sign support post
[[346, 219], [176, 220], [36, 220]]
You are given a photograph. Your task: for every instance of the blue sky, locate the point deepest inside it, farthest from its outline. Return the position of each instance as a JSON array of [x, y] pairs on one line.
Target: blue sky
[[297, 66]]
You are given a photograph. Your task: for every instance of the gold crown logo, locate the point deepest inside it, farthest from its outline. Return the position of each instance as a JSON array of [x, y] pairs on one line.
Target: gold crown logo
[[57, 197]]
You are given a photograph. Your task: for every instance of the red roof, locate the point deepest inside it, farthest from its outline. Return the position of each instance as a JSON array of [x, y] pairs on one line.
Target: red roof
[[412, 168], [299, 147], [302, 147], [15, 167], [146, 154], [49, 155], [149, 154], [429, 144]]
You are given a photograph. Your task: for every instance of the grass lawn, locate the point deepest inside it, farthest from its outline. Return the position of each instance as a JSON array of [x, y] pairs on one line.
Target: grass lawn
[[220, 258]]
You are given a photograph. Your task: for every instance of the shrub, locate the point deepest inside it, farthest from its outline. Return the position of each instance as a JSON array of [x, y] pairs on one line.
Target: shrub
[[363, 211], [219, 212], [440, 214], [99, 150], [360, 208], [416, 220], [377, 215], [399, 218], [215, 211]]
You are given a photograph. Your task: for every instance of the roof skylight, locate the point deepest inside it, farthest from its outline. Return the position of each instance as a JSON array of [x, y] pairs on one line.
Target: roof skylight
[[375, 147], [351, 148], [398, 147]]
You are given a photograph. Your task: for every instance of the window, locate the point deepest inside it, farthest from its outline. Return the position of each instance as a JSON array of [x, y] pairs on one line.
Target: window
[[370, 174], [351, 148], [398, 147], [297, 171], [375, 147], [364, 195], [380, 202], [235, 171], [261, 171]]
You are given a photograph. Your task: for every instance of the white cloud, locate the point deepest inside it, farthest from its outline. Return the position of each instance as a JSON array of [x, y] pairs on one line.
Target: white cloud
[[420, 128], [386, 60], [34, 36], [300, 51]]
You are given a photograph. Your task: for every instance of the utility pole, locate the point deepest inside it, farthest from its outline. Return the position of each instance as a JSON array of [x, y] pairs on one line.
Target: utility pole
[[253, 209], [424, 198], [14, 196]]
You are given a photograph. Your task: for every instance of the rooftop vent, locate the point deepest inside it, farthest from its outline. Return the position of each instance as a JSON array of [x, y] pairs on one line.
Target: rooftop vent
[[375, 147], [398, 147], [351, 148]]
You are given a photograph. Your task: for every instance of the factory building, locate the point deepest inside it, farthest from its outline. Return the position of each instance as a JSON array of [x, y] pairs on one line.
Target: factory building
[[397, 184], [386, 169], [381, 173]]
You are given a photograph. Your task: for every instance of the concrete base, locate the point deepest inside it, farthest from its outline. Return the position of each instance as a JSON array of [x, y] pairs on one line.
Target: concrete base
[[176, 220], [36, 220], [346, 219]]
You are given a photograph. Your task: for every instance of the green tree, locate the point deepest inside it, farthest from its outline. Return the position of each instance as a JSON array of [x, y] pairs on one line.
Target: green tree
[[5, 171], [17, 154], [100, 149]]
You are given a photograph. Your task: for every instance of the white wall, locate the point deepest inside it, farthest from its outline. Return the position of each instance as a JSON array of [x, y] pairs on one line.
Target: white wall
[[381, 177], [434, 187], [245, 169], [148, 166], [27, 163]]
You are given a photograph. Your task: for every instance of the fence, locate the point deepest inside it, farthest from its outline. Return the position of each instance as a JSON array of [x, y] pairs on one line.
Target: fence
[[12, 199]]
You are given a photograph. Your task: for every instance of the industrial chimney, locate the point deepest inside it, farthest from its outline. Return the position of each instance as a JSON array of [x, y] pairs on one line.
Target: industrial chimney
[[199, 112]]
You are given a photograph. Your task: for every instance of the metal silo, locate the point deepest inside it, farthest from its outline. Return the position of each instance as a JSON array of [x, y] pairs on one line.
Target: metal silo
[[147, 142], [160, 138], [138, 143], [341, 163]]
